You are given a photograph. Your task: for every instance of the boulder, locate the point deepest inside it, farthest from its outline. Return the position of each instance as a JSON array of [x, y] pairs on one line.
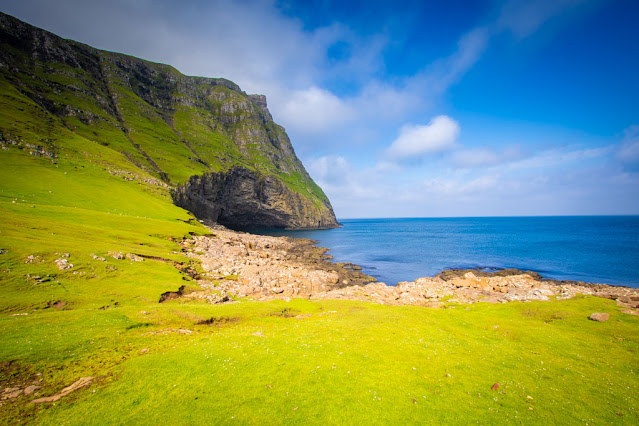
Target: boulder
[[600, 317]]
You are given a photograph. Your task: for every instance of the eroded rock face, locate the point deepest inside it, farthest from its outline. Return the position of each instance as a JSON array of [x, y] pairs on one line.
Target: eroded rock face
[[243, 199]]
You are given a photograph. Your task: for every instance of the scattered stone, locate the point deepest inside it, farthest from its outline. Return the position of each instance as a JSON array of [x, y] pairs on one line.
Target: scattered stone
[[63, 264], [10, 393], [144, 350], [600, 317], [630, 311], [33, 258], [258, 334], [495, 387], [134, 257], [239, 265], [116, 255], [303, 316], [80, 383], [101, 259], [529, 397]]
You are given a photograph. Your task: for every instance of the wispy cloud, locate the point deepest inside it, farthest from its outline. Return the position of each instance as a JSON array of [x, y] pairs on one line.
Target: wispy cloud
[[628, 149]]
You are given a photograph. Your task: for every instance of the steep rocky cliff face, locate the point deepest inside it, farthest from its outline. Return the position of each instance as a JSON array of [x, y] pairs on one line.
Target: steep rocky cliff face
[[204, 137], [243, 199]]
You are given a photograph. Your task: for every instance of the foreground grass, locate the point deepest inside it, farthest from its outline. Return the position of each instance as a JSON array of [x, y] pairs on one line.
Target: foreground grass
[[348, 362]]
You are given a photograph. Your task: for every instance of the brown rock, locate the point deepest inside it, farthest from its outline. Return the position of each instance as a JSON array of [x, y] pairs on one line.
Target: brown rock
[[600, 317], [30, 389], [495, 387], [80, 383]]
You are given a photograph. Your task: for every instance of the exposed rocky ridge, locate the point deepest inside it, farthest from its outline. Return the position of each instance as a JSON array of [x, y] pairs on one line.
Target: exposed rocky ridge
[[238, 265], [173, 127]]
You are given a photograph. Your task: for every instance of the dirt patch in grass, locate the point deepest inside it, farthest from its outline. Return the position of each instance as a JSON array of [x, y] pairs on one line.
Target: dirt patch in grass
[[285, 313], [139, 325], [218, 321], [544, 315]]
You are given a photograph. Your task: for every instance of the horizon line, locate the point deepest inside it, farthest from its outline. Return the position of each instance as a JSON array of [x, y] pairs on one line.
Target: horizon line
[[488, 217]]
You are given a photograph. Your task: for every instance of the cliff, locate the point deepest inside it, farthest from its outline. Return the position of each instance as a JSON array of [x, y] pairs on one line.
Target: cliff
[[192, 133]]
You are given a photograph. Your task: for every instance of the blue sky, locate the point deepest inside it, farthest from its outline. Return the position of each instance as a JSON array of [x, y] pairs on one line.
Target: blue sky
[[413, 108]]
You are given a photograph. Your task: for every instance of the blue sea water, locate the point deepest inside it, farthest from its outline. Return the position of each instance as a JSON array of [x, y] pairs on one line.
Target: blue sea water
[[600, 249]]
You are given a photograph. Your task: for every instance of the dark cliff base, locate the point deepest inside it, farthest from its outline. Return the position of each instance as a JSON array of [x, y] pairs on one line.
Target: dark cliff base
[[242, 199]]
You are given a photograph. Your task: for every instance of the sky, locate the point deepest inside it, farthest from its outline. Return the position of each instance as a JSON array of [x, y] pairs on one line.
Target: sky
[[413, 108]]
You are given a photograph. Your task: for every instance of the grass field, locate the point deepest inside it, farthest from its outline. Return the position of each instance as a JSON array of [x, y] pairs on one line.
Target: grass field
[[264, 362]]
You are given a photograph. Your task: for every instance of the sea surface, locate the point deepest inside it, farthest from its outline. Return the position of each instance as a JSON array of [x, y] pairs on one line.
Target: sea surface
[[599, 249]]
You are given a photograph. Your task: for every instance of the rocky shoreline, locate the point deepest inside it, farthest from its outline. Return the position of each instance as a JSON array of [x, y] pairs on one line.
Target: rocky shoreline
[[238, 265]]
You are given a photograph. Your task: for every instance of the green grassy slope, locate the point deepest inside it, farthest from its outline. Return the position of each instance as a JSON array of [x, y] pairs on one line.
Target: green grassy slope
[[166, 124]]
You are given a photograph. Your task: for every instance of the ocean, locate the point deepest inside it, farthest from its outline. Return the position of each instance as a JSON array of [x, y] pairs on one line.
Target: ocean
[[599, 249]]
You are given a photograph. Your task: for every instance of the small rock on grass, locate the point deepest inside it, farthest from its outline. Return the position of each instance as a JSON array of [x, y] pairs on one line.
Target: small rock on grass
[[495, 387], [600, 317]]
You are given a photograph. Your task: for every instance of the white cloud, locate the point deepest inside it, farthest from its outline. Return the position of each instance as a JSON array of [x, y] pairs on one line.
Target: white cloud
[[332, 169], [417, 141], [314, 110]]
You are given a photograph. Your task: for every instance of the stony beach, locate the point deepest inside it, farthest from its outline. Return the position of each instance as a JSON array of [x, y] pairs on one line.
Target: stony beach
[[240, 265]]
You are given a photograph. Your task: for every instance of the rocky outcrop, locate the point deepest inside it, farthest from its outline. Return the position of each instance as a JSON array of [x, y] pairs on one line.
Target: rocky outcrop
[[237, 265], [243, 199], [475, 286], [195, 132]]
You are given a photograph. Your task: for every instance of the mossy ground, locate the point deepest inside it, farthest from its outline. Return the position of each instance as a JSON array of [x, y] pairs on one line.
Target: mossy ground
[[258, 362]]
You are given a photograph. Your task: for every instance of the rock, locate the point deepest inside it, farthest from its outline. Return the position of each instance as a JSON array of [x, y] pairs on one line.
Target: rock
[[30, 389], [600, 317], [80, 383], [134, 257], [10, 393], [495, 387], [63, 264], [244, 199], [258, 334]]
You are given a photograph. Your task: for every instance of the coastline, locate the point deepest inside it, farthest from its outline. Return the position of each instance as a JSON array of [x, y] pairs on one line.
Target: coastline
[[238, 265]]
